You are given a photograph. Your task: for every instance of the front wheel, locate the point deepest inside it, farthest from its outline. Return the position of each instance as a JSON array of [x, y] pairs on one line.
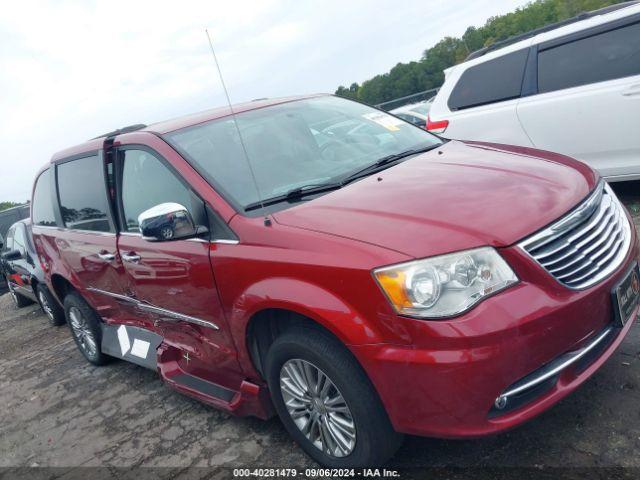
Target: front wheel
[[326, 401]]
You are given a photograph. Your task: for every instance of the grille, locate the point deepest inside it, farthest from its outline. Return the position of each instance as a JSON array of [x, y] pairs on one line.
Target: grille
[[587, 245]]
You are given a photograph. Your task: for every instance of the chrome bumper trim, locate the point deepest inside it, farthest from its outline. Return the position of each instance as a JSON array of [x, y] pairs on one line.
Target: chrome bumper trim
[[553, 368]]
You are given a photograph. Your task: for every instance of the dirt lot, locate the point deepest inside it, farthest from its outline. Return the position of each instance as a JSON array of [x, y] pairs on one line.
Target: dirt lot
[[59, 411]]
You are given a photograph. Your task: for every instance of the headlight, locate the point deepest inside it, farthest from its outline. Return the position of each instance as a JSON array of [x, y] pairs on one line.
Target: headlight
[[447, 285]]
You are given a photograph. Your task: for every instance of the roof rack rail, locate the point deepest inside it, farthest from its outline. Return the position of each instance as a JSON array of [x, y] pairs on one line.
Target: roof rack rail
[[120, 131], [547, 28]]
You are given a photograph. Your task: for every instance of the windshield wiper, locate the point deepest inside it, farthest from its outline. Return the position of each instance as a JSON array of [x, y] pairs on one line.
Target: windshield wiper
[[383, 162], [294, 194], [303, 191]]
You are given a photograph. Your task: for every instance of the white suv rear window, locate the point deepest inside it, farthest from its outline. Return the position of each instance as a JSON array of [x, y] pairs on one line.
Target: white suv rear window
[[491, 81]]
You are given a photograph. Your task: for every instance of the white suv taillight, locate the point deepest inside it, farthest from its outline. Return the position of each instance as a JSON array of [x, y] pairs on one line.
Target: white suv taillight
[[438, 126]]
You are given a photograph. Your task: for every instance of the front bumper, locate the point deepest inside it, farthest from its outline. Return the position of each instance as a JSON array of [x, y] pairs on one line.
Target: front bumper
[[446, 384]]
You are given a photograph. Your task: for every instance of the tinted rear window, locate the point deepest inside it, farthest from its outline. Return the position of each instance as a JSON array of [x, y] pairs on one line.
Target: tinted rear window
[[19, 239], [489, 82], [607, 56], [83, 195], [8, 245], [42, 210]]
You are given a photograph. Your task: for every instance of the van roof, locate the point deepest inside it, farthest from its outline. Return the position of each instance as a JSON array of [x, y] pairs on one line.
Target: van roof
[[178, 123], [532, 33]]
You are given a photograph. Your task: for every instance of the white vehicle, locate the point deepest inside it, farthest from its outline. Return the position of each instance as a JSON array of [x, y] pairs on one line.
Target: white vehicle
[[415, 113], [572, 88]]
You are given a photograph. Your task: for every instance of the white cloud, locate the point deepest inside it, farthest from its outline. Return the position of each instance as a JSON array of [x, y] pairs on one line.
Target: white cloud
[[74, 69]]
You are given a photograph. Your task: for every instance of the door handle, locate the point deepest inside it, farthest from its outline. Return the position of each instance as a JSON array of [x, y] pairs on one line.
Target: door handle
[[131, 257], [106, 256]]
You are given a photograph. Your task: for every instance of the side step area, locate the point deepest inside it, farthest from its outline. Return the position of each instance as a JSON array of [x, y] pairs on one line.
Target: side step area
[[247, 399], [133, 344], [203, 386], [146, 348]]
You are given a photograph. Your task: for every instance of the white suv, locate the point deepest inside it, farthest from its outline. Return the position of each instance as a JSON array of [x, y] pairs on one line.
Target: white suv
[[572, 88]]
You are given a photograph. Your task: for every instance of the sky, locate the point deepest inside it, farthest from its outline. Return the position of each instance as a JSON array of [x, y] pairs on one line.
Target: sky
[[72, 70]]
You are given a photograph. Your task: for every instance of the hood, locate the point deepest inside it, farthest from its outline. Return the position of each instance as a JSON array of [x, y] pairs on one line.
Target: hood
[[460, 196]]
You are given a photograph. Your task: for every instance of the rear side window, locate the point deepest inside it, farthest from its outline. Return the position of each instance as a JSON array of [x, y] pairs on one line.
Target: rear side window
[[489, 82], [19, 240], [83, 195], [8, 245], [606, 56], [42, 210]]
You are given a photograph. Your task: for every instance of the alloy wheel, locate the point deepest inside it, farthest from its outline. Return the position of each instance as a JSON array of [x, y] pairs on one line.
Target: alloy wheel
[[317, 408], [83, 332], [167, 233], [45, 305]]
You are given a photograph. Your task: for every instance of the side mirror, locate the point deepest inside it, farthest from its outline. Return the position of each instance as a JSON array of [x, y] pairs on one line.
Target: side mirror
[[12, 255], [167, 221]]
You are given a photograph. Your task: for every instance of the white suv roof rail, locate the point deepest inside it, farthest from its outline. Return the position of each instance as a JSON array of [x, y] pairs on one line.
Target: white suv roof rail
[[578, 18]]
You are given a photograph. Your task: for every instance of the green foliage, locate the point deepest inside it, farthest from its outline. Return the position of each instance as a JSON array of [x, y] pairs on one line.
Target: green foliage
[[6, 205], [408, 78]]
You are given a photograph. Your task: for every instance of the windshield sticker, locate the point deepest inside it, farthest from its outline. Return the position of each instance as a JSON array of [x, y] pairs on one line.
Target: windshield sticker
[[387, 121]]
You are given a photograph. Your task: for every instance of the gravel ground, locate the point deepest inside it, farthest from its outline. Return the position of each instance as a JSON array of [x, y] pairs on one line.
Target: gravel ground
[[59, 411]]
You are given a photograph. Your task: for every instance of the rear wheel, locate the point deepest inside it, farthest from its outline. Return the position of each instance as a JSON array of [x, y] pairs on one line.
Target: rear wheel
[[85, 328], [50, 306], [18, 300], [326, 401]]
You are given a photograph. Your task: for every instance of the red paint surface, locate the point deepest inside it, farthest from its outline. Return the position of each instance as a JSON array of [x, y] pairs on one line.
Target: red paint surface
[[434, 377]]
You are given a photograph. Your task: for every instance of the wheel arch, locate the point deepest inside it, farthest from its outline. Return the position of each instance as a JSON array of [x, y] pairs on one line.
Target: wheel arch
[[278, 304], [61, 287]]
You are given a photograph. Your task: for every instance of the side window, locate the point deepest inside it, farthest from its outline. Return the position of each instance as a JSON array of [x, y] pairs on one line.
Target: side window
[[42, 206], [19, 240], [606, 56], [491, 81], [83, 195], [147, 182], [8, 245]]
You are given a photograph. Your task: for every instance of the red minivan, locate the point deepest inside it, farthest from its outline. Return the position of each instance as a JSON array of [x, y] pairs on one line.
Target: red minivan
[[323, 260]]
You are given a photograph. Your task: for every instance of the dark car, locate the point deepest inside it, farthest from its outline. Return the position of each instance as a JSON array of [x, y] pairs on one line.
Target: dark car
[[165, 222], [3, 281], [23, 274]]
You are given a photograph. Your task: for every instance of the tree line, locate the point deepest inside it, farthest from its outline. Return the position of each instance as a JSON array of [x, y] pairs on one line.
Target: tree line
[[427, 73]]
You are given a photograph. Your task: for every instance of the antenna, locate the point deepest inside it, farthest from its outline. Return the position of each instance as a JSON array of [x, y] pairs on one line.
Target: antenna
[[267, 221]]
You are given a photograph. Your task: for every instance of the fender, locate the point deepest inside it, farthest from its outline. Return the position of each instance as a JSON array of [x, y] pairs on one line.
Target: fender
[[304, 298]]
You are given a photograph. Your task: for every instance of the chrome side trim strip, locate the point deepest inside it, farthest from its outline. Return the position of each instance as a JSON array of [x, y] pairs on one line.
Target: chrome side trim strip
[[226, 242], [175, 315], [117, 296], [551, 371], [147, 307]]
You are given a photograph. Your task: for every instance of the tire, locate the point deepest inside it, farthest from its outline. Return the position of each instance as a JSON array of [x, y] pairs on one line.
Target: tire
[[85, 328], [374, 440], [50, 306], [20, 301]]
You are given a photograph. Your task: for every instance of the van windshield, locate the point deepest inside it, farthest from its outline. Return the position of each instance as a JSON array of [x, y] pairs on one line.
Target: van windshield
[[307, 142]]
